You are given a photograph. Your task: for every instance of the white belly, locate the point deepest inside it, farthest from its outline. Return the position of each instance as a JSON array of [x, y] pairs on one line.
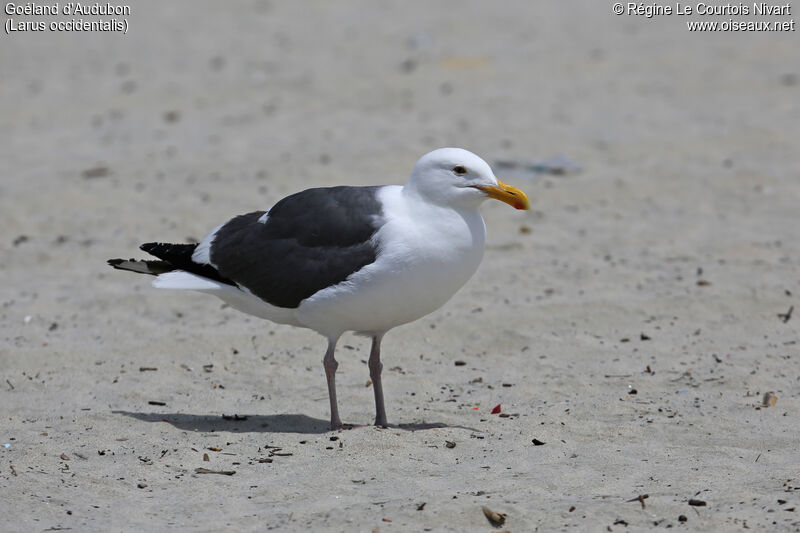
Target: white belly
[[434, 251]]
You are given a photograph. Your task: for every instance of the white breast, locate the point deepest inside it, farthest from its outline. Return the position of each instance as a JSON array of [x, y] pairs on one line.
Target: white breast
[[426, 253]]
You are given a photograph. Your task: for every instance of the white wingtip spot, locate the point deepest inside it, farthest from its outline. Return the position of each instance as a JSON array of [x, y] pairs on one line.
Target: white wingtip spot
[[202, 254]]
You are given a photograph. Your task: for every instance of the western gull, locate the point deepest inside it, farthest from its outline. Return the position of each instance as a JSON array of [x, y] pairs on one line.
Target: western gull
[[337, 259]]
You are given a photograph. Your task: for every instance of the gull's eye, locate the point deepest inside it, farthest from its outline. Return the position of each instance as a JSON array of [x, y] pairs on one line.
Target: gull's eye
[[458, 169]]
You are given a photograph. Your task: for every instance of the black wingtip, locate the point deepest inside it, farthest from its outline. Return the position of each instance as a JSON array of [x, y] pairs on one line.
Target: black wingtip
[[140, 266], [179, 257]]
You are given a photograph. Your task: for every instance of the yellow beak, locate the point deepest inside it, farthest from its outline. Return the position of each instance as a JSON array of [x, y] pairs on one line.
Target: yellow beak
[[508, 194]]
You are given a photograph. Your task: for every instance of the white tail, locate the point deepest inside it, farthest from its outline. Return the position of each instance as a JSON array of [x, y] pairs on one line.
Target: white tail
[[182, 280]]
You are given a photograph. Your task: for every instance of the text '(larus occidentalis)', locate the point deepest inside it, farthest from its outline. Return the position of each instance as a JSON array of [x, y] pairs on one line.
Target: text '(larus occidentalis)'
[[337, 259]]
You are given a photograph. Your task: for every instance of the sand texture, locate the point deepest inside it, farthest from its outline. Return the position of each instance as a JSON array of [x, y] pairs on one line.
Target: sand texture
[[632, 321]]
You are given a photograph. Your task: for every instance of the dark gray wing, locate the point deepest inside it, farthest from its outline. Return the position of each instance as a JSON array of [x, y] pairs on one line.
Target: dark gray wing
[[310, 240]]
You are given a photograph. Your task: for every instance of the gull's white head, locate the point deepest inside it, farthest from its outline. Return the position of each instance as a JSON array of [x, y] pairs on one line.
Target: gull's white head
[[458, 178]]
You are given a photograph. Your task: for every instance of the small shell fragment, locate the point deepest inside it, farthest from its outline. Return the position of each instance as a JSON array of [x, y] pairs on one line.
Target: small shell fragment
[[496, 519], [769, 400]]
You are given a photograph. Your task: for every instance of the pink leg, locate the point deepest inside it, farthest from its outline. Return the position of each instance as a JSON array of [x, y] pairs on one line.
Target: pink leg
[[330, 365], [375, 368]]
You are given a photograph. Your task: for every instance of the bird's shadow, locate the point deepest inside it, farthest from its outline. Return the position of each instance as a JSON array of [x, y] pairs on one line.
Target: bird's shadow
[[283, 423]]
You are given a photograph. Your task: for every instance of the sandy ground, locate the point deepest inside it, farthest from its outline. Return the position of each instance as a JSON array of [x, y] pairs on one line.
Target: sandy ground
[[630, 321]]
